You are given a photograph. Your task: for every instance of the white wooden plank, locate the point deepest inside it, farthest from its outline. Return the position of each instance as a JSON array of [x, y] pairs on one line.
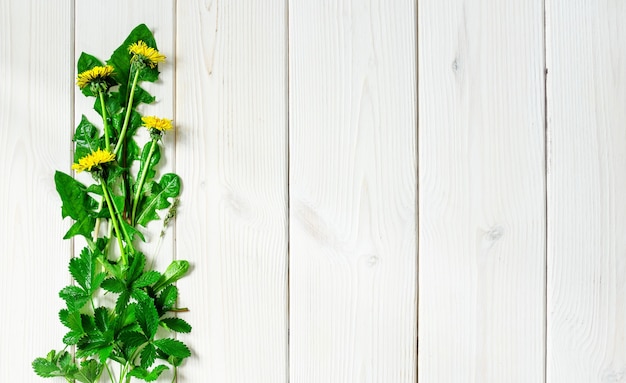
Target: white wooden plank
[[231, 111], [586, 50], [35, 122], [482, 191], [99, 36], [353, 266]]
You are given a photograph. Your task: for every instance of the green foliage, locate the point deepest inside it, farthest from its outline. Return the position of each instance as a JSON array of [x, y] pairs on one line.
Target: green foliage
[[126, 332]]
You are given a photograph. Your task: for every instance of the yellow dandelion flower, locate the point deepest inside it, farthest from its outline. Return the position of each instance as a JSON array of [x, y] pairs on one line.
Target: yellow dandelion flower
[[93, 160], [97, 74], [148, 55], [152, 122]]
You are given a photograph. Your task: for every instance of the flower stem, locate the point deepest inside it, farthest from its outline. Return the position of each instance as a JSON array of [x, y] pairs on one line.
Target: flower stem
[[142, 180], [107, 139], [129, 108], [116, 224]]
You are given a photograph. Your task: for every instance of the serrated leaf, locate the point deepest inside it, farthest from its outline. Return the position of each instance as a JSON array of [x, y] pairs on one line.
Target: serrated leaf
[[122, 301], [176, 270], [74, 297], [71, 320], [148, 376], [176, 325], [157, 199], [102, 318], [73, 337], [135, 269], [172, 347], [148, 356], [89, 371], [147, 317], [113, 285], [45, 368], [147, 279], [132, 338]]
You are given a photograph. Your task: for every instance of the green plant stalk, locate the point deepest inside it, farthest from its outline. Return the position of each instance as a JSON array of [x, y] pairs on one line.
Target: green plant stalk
[[107, 139], [129, 108], [115, 223], [142, 180]]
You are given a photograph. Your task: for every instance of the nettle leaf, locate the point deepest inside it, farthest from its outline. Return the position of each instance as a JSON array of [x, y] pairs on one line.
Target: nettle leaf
[[89, 371], [83, 270], [148, 356], [113, 285], [86, 138], [75, 297], [157, 199], [176, 325], [172, 347], [76, 204], [147, 317], [148, 376], [146, 279]]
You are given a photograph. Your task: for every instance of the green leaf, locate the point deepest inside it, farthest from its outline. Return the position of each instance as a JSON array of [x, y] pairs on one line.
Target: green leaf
[[77, 204], [86, 62], [176, 325], [74, 297], [102, 318], [113, 285], [132, 338], [89, 372], [147, 317], [132, 231], [172, 347], [71, 320], [120, 59], [83, 270], [167, 298], [148, 355], [46, 368], [157, 199], [175, 271], [86, 138], [148, 376], [147, 279]]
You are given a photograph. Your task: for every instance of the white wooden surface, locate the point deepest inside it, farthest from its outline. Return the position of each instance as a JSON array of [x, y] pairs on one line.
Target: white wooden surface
[[36, 85], [586, 182], [482, 192], [352, 191], [231, 108], [299, 145]]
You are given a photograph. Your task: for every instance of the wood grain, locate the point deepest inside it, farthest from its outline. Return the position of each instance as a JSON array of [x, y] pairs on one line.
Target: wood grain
[[586, 48], [352, 124], [482, 191], [35, 133], [231, 107]]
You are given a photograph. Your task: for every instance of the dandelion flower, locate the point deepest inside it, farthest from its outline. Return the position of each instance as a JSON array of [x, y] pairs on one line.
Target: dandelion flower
[[148, 55], [93, 160], [161, 124], [95, 75]]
